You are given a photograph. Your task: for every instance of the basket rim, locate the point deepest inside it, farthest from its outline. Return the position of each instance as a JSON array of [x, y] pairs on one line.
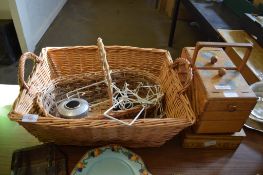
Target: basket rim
[[43, 120], [46, 49]]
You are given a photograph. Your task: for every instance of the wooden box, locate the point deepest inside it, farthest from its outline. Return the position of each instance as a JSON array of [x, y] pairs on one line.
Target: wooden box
[[220, 96], [217, 141]]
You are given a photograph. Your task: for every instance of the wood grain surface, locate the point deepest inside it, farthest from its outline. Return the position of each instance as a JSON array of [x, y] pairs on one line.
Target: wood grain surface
[[169, 159], [172, 159]]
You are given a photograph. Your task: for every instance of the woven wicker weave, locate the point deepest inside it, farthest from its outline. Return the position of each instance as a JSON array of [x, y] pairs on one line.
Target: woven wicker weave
[[97, 96], [58, 63]]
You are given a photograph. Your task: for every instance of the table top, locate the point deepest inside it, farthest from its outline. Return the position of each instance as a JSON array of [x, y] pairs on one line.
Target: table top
[[171, 158], [168, 159], [12, 135], [255, 61], [216, 14]]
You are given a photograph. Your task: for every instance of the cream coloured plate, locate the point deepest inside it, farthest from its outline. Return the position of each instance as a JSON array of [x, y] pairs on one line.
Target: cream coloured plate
[[110, 160], [257, 112], [254, 124]]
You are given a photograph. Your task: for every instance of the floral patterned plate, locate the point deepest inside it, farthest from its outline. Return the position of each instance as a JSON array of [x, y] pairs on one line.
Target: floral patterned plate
[[110, 160]]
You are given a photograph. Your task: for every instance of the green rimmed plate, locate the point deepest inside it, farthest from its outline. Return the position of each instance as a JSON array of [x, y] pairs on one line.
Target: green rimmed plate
[[110, 160]]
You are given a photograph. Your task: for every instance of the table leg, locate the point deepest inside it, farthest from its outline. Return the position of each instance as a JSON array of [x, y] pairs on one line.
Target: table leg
[[174, 21], [156, 3]]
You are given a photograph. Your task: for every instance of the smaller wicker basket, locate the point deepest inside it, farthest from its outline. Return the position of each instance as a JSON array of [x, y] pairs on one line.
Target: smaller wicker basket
[[56, 66], [97, 95], [98, 90]]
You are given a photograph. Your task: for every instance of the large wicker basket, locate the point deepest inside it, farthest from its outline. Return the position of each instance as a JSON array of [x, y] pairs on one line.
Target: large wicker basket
[[55, 63]]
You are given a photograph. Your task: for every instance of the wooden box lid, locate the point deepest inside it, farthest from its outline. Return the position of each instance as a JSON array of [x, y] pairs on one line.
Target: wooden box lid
[[230, 85], [205, 54]]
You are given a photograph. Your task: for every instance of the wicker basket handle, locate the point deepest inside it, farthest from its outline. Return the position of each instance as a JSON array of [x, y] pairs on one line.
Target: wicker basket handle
[[105, 67], [248, 47], [21, 68], [184, 68]]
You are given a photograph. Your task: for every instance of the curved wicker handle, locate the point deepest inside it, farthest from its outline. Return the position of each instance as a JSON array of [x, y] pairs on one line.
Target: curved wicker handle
[[21, 68], [106, 67], [183, 66], [248, 46]]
